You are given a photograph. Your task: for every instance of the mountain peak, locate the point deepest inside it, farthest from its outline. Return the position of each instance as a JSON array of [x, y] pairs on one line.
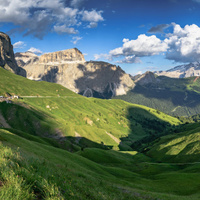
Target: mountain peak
[[182, 71], [147, 77], [7, 58], [68, 55]]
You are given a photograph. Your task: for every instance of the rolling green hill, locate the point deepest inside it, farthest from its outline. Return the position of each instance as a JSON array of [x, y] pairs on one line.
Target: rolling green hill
[[55, 144], [176, 97], [67, 116], [181, 147]]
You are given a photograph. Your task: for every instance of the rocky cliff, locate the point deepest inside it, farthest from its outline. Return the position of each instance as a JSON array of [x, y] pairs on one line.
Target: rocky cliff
[[69, 68], [61, 57], [7, 58]]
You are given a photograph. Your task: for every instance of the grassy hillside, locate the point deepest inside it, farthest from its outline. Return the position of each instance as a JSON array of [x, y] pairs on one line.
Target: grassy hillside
[[32, 170], [18, 85], [182, 146], [176, 97], [72, 147], [77, 121]]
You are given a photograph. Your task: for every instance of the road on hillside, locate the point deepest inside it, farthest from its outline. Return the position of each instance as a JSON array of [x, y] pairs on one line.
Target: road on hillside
[[48, 97]]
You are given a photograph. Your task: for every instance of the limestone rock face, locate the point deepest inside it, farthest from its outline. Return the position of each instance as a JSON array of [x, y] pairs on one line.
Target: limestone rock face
[[69, 68], [61, 57], [7, 59], [25, 58]]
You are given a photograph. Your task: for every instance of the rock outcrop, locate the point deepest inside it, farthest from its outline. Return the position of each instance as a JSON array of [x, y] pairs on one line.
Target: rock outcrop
[[146, 78], [7, 58], [69, 68]]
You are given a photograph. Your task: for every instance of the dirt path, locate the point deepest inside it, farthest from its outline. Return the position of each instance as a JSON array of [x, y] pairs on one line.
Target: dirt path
[[3, 122], [114, 138], [49, 97], [196, 79], [176, 108]]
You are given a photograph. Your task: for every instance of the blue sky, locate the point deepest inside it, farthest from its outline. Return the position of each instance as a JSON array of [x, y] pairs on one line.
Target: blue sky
[[138, 35]]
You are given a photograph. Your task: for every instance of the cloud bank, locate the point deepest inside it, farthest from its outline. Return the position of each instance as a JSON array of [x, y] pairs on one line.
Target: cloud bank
[[36, 17], [182, 45]]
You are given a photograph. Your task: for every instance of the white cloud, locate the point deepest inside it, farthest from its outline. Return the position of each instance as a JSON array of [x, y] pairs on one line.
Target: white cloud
[[139, 73], [130, 59], [92, 16], [184, 44], [34, 50], [36, 17], [76, 39], [142, 46], [65, 29], [19, 45], [105, 56], [92, 25]]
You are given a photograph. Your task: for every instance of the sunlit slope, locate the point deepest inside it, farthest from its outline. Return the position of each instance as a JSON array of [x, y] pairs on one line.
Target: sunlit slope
[[182, 146], [85, 122], [18, 85]]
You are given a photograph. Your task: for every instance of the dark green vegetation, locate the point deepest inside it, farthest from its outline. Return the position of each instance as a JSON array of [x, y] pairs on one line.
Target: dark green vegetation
[[176, 97], [60, 145]]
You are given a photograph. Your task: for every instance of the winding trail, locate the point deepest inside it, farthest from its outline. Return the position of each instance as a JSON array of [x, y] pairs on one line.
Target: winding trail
[[114, 138], [49, 97]]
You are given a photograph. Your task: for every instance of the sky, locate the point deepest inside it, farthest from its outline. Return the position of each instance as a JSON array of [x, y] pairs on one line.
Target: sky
[[137, 35]]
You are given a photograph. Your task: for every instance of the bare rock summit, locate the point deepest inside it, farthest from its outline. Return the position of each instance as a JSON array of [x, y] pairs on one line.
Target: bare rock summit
[[7, 58], [60, 57], [146, 78]]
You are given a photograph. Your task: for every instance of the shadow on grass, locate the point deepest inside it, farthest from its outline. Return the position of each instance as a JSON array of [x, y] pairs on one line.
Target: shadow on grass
[[144, 128]]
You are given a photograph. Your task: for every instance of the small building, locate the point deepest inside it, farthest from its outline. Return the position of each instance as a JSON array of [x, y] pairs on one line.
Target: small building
[[15, 97]]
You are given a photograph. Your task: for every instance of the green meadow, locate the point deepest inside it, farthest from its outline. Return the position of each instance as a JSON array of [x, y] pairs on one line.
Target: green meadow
[[55, 144]]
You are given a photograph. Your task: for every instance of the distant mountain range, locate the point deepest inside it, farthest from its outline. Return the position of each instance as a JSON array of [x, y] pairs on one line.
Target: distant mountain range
[[182, 71]]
